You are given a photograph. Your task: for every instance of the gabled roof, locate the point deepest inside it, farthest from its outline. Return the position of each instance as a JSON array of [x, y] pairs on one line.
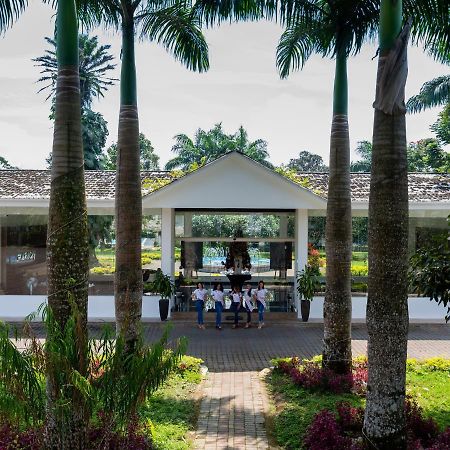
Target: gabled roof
[[234, 181]]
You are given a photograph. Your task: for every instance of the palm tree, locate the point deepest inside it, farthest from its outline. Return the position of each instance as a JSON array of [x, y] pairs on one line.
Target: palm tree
[[209, 145], [435, 92], [335, 29], [94, 64], [387, 307], [172, 24]]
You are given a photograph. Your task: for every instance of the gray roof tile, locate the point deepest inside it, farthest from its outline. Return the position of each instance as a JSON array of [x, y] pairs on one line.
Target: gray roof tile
[[29, 184]]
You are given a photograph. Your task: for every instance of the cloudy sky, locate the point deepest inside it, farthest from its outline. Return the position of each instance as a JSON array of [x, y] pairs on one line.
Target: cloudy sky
[[241, 88]]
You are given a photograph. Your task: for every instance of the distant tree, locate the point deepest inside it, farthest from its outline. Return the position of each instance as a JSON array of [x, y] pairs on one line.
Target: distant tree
[[427, 155], [307, 162], [148, 158], [429, 272], [442, 126], [94, 63], [94, 133], [4, 164], [209, 145], [364, 151]]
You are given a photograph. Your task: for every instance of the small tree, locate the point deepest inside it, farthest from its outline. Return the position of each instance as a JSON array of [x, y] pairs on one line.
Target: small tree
[[429, 273]]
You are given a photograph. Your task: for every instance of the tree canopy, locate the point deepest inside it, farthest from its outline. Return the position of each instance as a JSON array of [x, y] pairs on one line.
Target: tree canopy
[[209, 145], [425, 155], [148, 158], [307, 162]]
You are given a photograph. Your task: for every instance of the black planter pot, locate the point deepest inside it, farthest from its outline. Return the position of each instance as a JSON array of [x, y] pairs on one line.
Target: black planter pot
[[164, 308], [305, 306]]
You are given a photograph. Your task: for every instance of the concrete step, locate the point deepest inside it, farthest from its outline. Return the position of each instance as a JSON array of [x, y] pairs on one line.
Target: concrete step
[[269, 316]]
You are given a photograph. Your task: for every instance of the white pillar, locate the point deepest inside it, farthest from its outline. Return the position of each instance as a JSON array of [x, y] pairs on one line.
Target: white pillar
[[167, 246], [301, 248], [167, 241], [283, 234], [187, 224]]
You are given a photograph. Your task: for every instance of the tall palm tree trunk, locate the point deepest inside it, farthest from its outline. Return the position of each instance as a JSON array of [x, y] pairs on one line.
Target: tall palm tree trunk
[[67, 239], [387, 306], [128, 278], [337, 352]]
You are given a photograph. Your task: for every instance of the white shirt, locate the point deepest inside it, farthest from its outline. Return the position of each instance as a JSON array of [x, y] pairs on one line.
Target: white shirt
[[200, 294], [218, 296], [236, 297], [248, 300], [261, 296]]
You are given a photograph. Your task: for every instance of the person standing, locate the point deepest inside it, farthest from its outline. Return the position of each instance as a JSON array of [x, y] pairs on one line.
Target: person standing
[[236, 305], [199, 296], [217, 295], [248, 304], [260, 296]]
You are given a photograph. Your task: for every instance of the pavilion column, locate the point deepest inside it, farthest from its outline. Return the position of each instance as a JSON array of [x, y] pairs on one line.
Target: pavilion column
[[283, 234], [168, 245], [301, 247], [167, 241], [189, 269]]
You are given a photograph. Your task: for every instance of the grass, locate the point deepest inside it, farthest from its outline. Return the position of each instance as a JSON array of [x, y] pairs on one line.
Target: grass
[[294, 407], [173, 409]]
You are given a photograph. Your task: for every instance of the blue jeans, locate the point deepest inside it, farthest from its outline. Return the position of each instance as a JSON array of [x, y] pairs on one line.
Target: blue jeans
[[199, 308], [260, 311], [219, 308], [235, 306]]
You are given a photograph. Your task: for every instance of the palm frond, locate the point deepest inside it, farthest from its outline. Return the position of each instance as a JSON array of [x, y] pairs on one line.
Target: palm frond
[[19, 378], [295, 46], [430, 26], [94, 13], [215, 12], [10, 10], [435, 92], [177, 29]]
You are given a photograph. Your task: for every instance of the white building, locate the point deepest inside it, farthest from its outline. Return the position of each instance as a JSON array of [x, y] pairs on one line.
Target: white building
[[230, 201]]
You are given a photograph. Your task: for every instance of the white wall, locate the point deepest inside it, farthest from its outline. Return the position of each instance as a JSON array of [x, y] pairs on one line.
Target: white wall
[[420, 308], [100, 307]]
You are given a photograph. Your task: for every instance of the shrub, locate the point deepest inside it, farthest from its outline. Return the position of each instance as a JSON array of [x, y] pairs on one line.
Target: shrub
[[344, 431], [324, 433], [310, 375]]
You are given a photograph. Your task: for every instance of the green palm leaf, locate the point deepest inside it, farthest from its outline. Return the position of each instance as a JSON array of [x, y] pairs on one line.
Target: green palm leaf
[[295, 46], [10, 10], [178, 30], [435, 92]]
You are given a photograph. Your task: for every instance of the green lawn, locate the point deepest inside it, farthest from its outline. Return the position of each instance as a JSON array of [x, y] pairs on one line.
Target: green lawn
[[173, 411], [294, 407]]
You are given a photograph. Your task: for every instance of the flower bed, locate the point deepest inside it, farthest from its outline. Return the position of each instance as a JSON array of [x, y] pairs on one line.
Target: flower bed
[[316, 410]]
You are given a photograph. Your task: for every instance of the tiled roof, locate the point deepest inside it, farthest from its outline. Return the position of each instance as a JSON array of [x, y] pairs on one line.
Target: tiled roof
[[422, 187], [100, 184], [29, 184]]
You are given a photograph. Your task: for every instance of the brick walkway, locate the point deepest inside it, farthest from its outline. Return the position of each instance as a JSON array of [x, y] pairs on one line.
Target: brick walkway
[[232, 412]]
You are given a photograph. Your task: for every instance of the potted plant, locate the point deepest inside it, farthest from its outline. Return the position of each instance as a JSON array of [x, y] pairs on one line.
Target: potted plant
[[307, 285], [164, 286]]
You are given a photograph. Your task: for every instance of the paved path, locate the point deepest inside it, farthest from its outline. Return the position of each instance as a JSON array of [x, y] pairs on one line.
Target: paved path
[[252, 349], [232, 412]]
